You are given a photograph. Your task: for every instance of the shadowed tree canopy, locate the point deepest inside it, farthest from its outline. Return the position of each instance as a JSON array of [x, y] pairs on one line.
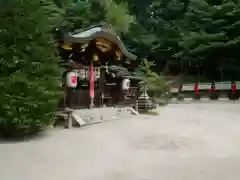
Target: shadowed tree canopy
[[29, 66], [188, 34], [82, 14]]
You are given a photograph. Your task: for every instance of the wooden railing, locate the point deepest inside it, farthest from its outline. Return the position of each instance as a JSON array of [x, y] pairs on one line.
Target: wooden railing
[[222, 89], [224, 85]]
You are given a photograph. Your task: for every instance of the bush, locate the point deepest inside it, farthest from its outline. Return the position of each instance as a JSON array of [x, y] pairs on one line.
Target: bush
[[157, 85], [30, 74]]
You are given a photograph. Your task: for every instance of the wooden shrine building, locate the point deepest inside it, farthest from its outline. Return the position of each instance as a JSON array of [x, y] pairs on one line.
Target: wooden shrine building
[[98, 70]]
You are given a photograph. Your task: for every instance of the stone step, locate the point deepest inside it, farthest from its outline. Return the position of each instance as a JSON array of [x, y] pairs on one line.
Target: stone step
[[78, 118], [96, 115]]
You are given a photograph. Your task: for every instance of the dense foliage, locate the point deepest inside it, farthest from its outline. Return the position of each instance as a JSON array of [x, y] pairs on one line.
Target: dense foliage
[[190, 36], [83, 14], [29, 71], [30, 76]]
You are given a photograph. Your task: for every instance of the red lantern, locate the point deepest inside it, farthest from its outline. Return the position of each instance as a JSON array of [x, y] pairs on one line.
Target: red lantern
[[234, 88], [72, 79], [196, 88]]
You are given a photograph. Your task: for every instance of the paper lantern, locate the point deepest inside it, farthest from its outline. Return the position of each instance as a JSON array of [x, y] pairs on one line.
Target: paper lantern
[[95, 57], [126, 84], [71, 79]]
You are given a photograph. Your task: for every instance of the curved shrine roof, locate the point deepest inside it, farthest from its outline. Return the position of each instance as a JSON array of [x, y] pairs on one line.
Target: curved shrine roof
[[98, 32]]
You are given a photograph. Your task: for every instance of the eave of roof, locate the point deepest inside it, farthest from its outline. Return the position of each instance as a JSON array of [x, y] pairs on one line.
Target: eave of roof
[[96, 32]]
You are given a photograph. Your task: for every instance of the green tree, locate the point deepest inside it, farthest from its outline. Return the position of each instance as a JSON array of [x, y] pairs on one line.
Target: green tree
[[211, 36], [156, 83], [118, 16], [155, 34], [29, 70], [83, 14], [186, 33]]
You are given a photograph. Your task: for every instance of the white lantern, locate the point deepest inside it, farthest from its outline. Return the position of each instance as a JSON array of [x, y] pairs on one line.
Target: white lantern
[[71, 79], [126, 84]]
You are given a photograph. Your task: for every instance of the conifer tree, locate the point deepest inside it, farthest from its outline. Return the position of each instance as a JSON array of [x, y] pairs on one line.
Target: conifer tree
[[29, 70]]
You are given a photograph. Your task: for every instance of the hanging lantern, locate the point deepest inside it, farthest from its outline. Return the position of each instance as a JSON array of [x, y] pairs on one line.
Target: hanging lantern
[[71, 79], [126, 84], [95, 57]]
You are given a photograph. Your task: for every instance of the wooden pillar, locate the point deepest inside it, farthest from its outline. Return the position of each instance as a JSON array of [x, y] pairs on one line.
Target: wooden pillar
[[102, 84], [91, 85]]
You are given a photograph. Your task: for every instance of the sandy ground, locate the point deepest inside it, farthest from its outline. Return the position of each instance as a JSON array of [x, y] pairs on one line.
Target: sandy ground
[[186, 142]]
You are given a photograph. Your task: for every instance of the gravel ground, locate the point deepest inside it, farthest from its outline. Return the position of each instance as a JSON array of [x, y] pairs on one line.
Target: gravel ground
[[198, 141]]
